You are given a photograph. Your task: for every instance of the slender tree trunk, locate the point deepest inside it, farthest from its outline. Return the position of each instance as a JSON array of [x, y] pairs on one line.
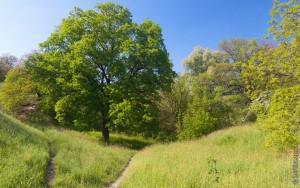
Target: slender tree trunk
[[105, 134], [295, 165]]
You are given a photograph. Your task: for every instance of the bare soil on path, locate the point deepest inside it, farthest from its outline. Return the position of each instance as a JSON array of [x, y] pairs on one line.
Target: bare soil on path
[[50, 170], [116, 183]]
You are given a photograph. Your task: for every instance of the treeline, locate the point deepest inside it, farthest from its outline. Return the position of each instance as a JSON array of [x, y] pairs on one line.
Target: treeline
[[245, 81], [99, 70], [211, 94]]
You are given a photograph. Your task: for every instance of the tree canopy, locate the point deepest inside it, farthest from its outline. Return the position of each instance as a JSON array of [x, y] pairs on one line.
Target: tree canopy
[[98, 61]]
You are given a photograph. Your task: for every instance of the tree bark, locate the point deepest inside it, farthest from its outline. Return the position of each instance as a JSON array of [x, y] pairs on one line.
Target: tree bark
[[295, 165], [105, 134]]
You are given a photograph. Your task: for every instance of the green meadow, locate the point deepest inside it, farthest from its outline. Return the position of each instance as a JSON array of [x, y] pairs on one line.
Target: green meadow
[[235, 157]]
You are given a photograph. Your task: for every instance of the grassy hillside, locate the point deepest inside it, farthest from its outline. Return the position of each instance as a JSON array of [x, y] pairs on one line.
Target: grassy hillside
[[23, 154], [231, 158], [79, 161]]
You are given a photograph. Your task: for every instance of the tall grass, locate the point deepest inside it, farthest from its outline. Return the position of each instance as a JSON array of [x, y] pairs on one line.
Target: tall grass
[[231, 158], [23, 154], [81, 162]]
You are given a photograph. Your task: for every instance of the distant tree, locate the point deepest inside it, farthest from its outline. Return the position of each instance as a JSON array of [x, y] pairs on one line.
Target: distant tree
[[225, 80], [216, 94], [18, 94], [201, 108], [173, 104], [205, 112], [98, 65], [7, 62], [239, 50], [200, 59]]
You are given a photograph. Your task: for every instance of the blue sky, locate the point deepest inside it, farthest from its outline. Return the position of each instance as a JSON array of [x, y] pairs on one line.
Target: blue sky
[[185, 23]]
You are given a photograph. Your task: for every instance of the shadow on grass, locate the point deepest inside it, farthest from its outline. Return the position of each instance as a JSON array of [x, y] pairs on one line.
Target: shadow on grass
[[130, 142]]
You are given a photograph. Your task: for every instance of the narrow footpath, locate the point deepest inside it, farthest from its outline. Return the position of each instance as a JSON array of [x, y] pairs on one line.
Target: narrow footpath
[[50, 170], [121, 177]]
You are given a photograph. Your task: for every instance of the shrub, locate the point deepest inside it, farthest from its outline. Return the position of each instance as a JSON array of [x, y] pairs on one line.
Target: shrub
[[250, 117]]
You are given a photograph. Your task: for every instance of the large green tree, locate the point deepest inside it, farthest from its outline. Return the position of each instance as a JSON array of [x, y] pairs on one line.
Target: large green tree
[[98, 61]]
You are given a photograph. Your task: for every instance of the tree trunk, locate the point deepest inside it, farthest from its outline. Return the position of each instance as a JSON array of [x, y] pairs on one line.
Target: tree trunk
[[295, 165], [105, 134]]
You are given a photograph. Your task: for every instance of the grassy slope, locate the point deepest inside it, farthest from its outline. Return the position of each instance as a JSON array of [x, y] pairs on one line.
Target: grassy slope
[[80, 160], [241, 161], [23, 154]]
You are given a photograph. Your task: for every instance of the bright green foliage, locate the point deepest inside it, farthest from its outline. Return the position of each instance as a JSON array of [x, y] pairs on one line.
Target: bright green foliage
[[17, 91], [77, 111], [272, 68], [271, 77], [98, 58], [196, 124], [23, 154], [276, 67], [131, 116], [205, 111], [205, 114], [233, 157], [285, 23], [211, 94], [282, 125]]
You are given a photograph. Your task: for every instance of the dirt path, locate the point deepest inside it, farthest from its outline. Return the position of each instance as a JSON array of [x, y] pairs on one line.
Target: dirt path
[[121, 177], [50, 167]]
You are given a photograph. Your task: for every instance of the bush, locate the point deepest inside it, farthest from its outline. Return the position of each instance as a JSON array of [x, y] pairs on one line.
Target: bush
[[196, 124], [18, 93], [250, 117], [282, 123], [203, 117]]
